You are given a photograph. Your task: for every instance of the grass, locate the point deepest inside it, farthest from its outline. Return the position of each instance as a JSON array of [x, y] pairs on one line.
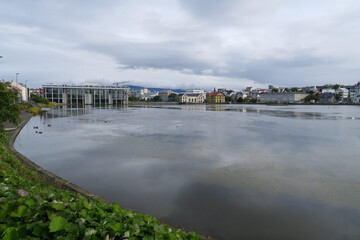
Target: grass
[[31, 208]]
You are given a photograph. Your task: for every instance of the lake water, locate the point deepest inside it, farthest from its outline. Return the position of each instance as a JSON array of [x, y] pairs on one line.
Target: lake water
[[229, 171]]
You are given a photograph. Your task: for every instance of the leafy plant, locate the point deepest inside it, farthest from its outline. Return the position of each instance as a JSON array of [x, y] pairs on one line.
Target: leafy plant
[[30, 208]]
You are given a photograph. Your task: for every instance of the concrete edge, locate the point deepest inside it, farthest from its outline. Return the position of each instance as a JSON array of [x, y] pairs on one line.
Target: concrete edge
[[50, 177], [61, 183]]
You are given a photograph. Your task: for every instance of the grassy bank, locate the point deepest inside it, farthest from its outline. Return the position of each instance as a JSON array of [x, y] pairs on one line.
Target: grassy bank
[[30, 208]]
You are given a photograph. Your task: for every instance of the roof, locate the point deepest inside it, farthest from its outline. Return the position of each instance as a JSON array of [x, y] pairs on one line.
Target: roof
[[215, 93]]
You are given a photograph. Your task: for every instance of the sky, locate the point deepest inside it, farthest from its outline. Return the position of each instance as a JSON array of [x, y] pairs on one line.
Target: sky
[[181, 43]]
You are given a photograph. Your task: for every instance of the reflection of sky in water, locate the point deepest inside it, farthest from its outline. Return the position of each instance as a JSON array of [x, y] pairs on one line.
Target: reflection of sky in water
[[232, 171]]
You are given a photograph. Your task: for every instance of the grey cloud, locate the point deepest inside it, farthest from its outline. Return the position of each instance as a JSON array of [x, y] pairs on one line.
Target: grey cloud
[[263, 41]]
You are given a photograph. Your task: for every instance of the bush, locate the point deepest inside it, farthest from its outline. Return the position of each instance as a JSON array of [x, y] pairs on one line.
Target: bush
[[39, 99]]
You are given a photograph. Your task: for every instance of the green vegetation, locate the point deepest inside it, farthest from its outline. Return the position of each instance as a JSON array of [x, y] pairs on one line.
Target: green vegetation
[[156, 99], [9, 109], [172, 97], [39, 99], [311, 98], [31, 208], [228, 99], [336, 86], [133, 98], [240, 100]]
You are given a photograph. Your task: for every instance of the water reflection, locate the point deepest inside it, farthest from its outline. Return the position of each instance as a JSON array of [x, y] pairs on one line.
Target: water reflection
[[243, 172]]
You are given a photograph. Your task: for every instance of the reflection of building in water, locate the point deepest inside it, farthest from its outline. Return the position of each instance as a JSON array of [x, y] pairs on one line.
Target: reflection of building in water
[[215, 108], [86, 94], [64, 111], [194, 107]]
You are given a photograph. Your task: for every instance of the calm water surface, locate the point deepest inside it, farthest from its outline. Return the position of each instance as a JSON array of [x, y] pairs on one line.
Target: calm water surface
[[233, 172]]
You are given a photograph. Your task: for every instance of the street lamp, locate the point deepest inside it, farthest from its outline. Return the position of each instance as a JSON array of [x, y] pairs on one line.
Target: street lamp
[[16, 76]]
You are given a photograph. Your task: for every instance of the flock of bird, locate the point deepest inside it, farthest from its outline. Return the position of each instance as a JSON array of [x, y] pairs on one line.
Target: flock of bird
[[37, 127]]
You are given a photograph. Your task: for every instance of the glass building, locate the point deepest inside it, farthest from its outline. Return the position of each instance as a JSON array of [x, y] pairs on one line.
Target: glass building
[[87, 94]]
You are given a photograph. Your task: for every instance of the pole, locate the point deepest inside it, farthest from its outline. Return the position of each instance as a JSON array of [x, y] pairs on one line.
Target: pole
[[16, 76]]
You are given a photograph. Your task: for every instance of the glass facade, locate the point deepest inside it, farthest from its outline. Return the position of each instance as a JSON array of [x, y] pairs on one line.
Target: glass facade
[[85, 95]]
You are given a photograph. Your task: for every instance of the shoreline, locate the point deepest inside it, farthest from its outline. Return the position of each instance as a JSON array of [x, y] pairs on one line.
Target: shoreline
[[63, 184]]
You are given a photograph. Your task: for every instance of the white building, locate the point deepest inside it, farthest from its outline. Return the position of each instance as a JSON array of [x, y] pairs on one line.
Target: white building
[[191, 98], [344, 94], [143, 93], [356, 98], [23, 91]]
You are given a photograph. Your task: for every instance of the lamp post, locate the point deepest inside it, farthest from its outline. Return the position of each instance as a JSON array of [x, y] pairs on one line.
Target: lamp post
[[16, 76]]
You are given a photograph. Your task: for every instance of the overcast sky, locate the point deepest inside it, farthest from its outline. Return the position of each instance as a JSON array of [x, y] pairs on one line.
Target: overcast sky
[[185, 44]]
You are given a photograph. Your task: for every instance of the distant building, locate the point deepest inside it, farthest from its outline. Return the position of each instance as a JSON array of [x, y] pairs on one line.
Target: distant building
[[36, 91], [284, 97], [86, 94], [165, 95], [191, 98], [22, 89], [354, 89], [271, 87], [223, 90], [356, 98], [142, 93], [215, 97], [328, 90], [327, 98], [344, 94]]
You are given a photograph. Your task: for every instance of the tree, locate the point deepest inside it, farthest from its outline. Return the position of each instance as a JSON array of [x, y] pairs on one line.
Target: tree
[[336, 86], [9, 108], [275, 90], [240, 100], [133, 98], [228, 99], [294, 89], [157, 99], [310, 97], [39, 99], [172, 97], [337, 96]]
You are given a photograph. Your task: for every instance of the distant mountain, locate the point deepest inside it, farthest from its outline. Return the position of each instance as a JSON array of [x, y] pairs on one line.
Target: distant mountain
[[133, 87]]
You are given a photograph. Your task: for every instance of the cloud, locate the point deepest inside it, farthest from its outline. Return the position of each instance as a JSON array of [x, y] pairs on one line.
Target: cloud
[[287, 43]]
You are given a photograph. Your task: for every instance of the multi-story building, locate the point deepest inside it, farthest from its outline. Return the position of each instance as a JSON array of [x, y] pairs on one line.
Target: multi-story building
[[191, 98], [86, 94], [356, 98], [22, 89], [343, 93], [215, 97], [36, 91]]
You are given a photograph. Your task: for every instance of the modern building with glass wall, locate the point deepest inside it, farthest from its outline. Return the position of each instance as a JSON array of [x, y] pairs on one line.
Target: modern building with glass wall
[[87, 94]]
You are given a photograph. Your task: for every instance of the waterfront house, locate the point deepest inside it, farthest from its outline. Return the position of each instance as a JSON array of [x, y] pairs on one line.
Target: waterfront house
[[327, 98], [191, 98], [356, 98], [215, 97]]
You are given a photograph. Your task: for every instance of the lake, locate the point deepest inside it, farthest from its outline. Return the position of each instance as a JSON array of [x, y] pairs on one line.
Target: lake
[[229, 171]]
